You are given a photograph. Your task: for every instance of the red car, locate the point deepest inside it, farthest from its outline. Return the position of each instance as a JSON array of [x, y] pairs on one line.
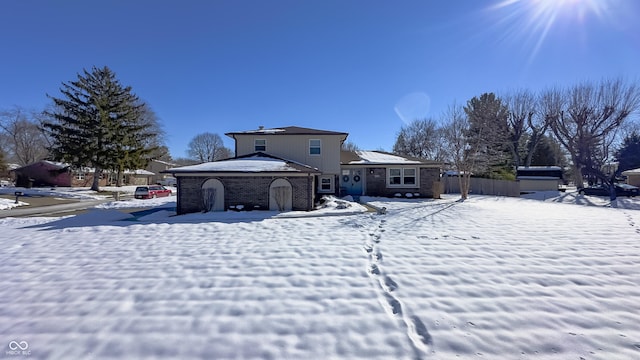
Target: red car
[[151, 192]]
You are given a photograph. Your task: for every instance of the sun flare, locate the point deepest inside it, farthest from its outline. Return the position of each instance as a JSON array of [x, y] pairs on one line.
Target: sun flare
[[534, 20]]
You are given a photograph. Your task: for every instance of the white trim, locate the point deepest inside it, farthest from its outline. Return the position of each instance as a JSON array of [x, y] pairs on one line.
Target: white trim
[[331, 179], [319, 147], [403, 184], [255, 145]]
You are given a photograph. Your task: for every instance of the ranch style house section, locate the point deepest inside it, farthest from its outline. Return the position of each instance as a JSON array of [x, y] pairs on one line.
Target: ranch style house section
[[378, 173], [256, 181]]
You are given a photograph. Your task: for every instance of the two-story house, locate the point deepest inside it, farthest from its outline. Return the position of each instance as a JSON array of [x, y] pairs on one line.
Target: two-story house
[[289, 168], [319, 149]]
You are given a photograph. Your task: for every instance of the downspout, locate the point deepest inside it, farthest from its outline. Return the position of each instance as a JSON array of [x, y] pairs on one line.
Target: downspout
[[179, 199], [311, 192], [235, 145]]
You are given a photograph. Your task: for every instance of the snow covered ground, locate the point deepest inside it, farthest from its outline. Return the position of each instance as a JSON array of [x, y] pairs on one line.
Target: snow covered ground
[[494, 278]]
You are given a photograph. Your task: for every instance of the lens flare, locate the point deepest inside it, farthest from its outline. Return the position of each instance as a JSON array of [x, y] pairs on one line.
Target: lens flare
[[414, 106], [535, 20]]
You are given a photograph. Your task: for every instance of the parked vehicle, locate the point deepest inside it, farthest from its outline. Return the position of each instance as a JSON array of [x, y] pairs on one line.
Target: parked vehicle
[[151, 192], [601, 190], [169, 181], [627, 190]]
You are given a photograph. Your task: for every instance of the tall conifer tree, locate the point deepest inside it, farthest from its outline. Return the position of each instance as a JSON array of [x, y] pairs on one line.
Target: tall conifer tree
[[98, 123]]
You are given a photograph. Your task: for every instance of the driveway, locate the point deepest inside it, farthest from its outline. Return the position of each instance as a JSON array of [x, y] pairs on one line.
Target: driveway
[[48, 206]]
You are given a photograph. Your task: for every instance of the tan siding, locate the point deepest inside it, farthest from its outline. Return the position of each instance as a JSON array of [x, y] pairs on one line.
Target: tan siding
[[296, 148]]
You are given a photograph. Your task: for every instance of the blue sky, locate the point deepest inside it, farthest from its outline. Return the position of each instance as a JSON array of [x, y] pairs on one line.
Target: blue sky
[[363, 67]]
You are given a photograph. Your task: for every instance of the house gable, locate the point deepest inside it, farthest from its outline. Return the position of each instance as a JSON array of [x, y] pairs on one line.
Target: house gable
[[317, 148]]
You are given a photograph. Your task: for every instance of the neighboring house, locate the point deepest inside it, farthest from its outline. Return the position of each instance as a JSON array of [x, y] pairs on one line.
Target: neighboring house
[[255, 181], [156, 167], [49, 173], [539, 178], [138, 177], [377, 173], [633, 176], [289, 168]]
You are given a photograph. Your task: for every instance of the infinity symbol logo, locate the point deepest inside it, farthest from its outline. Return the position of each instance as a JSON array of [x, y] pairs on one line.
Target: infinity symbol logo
[[22, 345]]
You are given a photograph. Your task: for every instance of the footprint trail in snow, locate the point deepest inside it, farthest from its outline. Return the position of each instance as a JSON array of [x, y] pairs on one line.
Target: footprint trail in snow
[[416, 331]]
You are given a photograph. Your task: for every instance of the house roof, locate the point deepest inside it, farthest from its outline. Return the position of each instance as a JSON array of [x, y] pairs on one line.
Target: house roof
[[252, 163], [50, 164], [538, 168], [360, 157], [287, 130], [139, 172], [631, 172], [164, 162]]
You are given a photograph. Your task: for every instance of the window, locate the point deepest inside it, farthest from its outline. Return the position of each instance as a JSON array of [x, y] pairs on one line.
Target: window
[[402, 177], [314, 147], [409, 176], [395, 176], [260, 145], [326, 183], [79, 176]]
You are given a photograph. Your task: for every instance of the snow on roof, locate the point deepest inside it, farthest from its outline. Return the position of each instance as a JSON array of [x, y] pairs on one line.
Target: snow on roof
[[164, 162], [56, 164], [139, 172], [252, 163], [631, 172], [538, 168], [377, 157]]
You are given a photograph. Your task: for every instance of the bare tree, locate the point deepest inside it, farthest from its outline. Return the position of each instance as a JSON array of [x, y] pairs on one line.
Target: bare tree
[[586, 118], [207, 147], [526, 124], [25, 141], [461, 153], [151, 121], [422, 139], [349, 146]]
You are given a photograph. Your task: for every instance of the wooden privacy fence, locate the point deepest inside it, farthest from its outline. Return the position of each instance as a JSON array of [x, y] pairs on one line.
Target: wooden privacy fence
[[483, 186]]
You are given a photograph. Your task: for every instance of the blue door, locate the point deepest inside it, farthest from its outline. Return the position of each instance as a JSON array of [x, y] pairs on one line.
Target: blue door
[[351, 182]]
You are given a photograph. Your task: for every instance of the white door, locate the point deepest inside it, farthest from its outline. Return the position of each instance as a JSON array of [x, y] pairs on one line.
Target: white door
[[213, 195], [280, 195]]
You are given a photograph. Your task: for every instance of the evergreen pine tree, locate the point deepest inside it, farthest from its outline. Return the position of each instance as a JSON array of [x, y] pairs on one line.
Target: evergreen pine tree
[[628, 155], [3, 162], [488, 135], [97, 123]]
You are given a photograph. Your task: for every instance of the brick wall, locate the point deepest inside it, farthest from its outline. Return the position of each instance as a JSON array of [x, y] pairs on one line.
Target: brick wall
[[377, 183], [252, 192]]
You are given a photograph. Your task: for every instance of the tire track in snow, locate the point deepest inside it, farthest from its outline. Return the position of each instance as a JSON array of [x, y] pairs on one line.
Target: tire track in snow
[[419, 337]]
